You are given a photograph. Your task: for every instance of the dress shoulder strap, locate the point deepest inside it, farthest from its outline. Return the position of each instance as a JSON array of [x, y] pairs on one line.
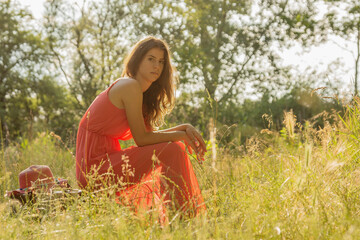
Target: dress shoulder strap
[[107, 90]]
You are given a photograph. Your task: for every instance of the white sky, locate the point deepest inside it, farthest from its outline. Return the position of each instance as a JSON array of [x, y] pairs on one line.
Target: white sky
[[316, 57], [36, 6]]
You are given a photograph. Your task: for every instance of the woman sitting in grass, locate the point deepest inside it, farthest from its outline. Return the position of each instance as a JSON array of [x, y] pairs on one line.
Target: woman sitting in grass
[[132, 107]]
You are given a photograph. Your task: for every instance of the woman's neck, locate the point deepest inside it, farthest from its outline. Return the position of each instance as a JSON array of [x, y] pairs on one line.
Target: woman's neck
[[143, 83]]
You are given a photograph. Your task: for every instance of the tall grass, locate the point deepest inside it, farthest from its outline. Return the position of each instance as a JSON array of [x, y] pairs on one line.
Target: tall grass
[[299, 183]]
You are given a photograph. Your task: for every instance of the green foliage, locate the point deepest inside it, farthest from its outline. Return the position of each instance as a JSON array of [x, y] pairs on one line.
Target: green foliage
[[57, 108], [226, 52], [21, 52], [88, 43], [27, 85], [343, 20], [225, 47], [240, 121]]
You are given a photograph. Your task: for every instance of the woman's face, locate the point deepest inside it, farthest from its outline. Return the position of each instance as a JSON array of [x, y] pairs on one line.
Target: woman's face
[[151, 65]]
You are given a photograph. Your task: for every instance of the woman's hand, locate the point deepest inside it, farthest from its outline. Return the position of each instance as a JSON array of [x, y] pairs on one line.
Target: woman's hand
[[195, 141]]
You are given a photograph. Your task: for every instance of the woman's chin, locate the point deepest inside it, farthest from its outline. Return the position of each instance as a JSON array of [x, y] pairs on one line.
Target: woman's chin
[[153, 79]]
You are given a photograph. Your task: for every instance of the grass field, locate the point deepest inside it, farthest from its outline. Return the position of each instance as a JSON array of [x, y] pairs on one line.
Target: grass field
[[299, 183]]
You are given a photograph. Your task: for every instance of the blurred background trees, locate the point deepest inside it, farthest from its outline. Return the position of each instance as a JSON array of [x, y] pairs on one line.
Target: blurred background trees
[[30, 93], [88, 40], [343, 19], [228, 53]]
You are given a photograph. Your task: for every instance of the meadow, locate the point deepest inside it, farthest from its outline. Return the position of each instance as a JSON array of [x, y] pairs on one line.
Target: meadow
[[301, 182]]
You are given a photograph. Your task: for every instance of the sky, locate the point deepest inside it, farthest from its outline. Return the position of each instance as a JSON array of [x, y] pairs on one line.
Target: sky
[[316, 57], [36, 6]]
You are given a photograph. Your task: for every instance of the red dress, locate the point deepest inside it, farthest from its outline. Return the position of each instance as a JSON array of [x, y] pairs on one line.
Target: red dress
[[167, 178]]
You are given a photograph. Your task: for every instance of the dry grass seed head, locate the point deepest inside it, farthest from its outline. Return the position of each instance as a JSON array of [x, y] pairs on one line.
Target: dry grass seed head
[[254, 145], [290, 123], [268, 119]]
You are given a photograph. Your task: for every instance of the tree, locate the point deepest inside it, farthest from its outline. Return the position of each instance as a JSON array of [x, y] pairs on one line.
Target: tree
[[343, 18], [56, 108], [30, 97], [21, 58], [223, 48], [88, 40]]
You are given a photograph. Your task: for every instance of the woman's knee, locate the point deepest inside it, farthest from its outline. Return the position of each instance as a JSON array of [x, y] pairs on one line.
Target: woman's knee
[[173, 148], [177, 147]]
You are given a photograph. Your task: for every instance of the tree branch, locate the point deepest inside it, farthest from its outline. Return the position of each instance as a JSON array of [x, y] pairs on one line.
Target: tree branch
[[228, 92]]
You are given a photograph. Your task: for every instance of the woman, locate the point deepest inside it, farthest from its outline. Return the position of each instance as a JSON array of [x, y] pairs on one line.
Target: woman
[[134, 106]]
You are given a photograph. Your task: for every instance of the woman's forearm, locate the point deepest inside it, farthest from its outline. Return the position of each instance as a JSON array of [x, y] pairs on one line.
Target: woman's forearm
[[150, 138], [181, 127], [184, 132]]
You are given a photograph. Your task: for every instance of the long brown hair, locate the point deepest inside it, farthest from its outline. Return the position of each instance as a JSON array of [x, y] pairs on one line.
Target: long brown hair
[[158, 99]]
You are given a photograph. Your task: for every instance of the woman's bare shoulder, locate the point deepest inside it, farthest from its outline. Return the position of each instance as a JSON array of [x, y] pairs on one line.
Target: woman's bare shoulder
[[125, 85], [124, 88]]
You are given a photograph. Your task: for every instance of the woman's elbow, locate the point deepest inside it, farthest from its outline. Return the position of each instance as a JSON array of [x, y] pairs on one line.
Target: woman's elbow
[[141, 144], [141, 140]]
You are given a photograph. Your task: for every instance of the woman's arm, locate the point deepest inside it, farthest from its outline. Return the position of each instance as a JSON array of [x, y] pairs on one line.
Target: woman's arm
[[193, 135], [181, 127], [128, 93]]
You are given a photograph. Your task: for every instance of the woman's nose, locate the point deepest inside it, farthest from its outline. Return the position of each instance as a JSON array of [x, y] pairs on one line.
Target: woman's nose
[[156, 64]]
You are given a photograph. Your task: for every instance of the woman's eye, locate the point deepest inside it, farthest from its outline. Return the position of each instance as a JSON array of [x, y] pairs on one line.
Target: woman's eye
[[150, 59], [162, 62]]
